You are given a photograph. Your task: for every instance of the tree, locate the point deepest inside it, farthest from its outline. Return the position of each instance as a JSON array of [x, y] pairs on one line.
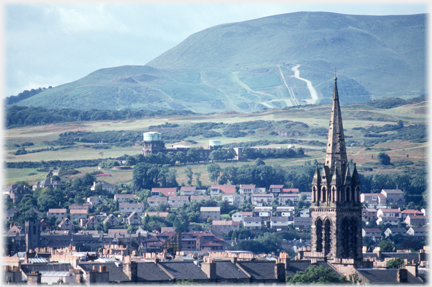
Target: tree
[[258, 162], [383, 158], [189, 174], [395, 263], [197, 179], [386, 246], [316, 274], [214, 171]]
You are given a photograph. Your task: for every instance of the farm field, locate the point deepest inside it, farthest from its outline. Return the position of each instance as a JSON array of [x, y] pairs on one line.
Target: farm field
[[356, 118]]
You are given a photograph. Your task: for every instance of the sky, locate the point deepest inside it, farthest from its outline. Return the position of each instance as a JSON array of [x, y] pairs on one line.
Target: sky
[[53, 44]]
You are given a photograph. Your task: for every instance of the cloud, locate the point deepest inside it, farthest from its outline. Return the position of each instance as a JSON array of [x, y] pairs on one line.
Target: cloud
[[84, 18]]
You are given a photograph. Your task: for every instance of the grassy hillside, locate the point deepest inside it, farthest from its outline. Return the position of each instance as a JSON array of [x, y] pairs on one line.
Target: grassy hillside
[[304, 127], [249, 65]]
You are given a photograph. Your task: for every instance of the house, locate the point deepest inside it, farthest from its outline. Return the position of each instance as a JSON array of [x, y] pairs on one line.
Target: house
[[224, 226], [131, 207], [215, 190], [10, 213], [395, 196], [419, 233], [112, 220], [84, 206], [307, 196], [156, 201], [122, 197], [286, 211], [288, 199], [133, 219], [392, 231], [387, 220], [158, 214], [177, 201], [50, 183], [35, 211], [369, 214], [275, 188], [96, 200], [304, 213], [371, 199], [44, 225], [417, 221], [279, 223], [66, 224], [290, 190], [117, 232], [386, 212], [238, 216], [302, 223], [410, 212], [191, 190], [199, 197], [252, 223], [233, 199], [104, 185], [209, 212], [58, 213], [16, 192], [373, 233], [262, 199], [249, 189], [91, 222], [263, 212], [159, 191], [76, 214]]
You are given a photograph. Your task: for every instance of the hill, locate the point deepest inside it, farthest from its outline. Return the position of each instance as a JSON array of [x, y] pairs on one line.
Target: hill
[[272, 62]]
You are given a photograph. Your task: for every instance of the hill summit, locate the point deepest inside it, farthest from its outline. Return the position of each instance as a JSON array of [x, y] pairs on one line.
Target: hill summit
[[271, 62]]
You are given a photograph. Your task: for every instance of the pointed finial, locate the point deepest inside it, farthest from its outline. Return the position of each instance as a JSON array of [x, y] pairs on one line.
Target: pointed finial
[[335, 75]]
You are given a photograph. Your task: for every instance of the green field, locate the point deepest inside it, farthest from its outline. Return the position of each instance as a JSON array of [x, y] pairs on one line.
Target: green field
[[354, 116]]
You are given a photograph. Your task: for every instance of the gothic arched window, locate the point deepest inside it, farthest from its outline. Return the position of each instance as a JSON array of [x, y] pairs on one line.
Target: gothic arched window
[[319, 235], [327, 236]]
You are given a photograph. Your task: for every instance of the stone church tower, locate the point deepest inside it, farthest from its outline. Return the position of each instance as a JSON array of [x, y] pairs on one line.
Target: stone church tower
[[336, 208]]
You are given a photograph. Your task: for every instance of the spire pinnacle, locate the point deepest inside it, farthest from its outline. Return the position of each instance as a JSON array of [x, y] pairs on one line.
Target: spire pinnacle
[[336, 157]]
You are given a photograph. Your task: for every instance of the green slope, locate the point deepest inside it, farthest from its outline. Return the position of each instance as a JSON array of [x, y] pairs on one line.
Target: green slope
[[248, 65]]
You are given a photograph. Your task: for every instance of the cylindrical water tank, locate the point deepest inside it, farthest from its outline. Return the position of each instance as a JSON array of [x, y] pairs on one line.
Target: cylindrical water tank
[[152, 136]]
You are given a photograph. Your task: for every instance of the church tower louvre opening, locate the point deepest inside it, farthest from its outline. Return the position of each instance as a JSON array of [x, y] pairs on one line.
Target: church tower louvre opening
[[336, 208]]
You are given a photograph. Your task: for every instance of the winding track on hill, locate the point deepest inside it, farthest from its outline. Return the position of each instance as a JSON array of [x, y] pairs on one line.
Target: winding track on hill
[[312, 91]]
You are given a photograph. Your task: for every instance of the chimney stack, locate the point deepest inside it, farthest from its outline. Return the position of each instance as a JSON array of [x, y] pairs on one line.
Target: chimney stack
[[209, 268], [402, 275]]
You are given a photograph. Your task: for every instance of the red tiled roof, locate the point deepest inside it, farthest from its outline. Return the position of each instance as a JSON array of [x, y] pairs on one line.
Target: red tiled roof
[[290, 190], [225, 188], [166, 191], [188, 188]]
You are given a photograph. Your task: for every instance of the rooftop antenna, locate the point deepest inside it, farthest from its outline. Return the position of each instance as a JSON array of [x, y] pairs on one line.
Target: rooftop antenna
[[335, 73]]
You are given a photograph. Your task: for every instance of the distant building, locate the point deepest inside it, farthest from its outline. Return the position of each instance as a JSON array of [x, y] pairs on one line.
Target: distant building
[[373, 233], [131, 207], [223, 226], [233, 199], [124, 197], [210, 212], [105, 186], [156, 201], [58, 213], [159, 191], [395, 196], [417, 221], [177, 201]]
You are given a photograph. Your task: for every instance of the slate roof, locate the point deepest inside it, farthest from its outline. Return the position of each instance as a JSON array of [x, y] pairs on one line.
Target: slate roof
[[227, 270], [259, 270], [26, 268], [115, 271], [149, 271], [385, 276], [184, 270]]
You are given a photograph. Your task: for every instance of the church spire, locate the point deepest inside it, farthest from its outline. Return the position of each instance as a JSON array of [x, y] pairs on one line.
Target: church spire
[[336, 157]]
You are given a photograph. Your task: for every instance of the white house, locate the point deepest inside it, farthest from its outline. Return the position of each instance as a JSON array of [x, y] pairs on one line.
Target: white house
[[249, 189], [420, 233], [233, 199], [394, 231], [279, 223], [285, 198], [105, 186], [124, 197], [131, 207], [156, 201], [262, 199], [304, 213], [177, 201], [373, 233], [386, 212], [251, 223]]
